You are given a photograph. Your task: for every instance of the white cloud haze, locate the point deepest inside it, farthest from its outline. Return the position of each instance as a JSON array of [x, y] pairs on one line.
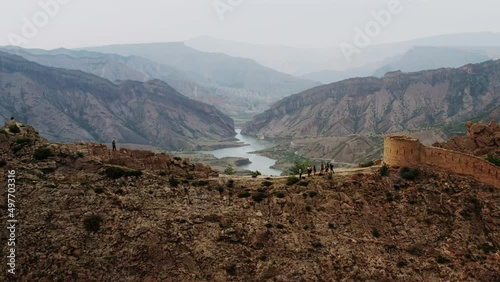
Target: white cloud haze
[[300, 23]]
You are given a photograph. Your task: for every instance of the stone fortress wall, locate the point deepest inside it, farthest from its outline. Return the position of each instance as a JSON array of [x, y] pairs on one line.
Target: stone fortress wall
[[408, 151]]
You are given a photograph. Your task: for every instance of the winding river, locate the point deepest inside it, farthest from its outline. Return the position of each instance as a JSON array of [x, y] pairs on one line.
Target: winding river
[[259, 163]]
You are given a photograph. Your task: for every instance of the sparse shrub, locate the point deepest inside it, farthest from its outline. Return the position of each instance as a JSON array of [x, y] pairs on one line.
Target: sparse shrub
[[244, 194], [173, 182], [280, 195], [3, 163], [308, 208], [259, 197], [163, 173], [389, 196], [494, 159], [17, 148], [231, 270], [14, 128], [415, 250], [99, 190], [317, 244], [230, 183], [229, 170], [487, 248], [268, 225], [412, 201], [256, 173], [367, 164], [442, 260], [115, 172], [23, 141], [384, 170], [220, 188], [92, 223], [292, 180], [331, 225], [303, 183], [330, 175], [190, 177], [120, 192], [267, 183], [42, 154], [313, 194], [201, 183], [280, 226], [80, 154], [2, 131], [409, 173], [178, 158], [375, 233]]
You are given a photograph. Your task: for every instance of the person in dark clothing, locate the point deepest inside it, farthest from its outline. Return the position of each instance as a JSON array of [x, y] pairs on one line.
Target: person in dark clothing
[[114, 145], [314, 170]]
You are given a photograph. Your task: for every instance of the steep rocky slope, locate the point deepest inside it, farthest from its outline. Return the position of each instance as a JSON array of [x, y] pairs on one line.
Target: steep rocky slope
[[234, 101], [396, 102], [70, 105], [76, 223], [480, 140], [218, 68]]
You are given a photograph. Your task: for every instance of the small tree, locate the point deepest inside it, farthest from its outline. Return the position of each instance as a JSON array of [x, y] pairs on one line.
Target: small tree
[[229, 170], [14, 128]]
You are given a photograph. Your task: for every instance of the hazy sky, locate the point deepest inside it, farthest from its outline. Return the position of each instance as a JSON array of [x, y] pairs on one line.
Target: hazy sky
[[300, 23]]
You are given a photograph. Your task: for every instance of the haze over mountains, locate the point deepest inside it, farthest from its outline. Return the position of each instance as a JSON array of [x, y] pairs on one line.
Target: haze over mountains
[[330, 65], [69, 105]]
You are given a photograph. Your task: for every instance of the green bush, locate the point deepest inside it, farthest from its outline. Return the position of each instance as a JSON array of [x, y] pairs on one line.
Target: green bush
[[280, 195], [244, 194], [409, 173], [80, 154], [115, 172], [163, 173], [200, 183], [17, 148], [259, 197], [303, 183], [190, 177], [308, 208], [367, 164], [92, 223], [330, 175], [220, 188], [442, 260], [42, 154], [173, 182], [267, 183], [375, 233], [2, 131], [493, 159], [229, 170], [313, 194], [268, 225], [14, 128], [384, 170], [231, 270], [280, 226], [292, 180], [177, 158], [415, 250], [99, 190], [230, 183], [256, 173], [23, 141]]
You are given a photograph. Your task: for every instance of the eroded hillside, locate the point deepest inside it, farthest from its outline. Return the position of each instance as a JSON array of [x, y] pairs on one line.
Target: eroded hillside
[[79, 222]]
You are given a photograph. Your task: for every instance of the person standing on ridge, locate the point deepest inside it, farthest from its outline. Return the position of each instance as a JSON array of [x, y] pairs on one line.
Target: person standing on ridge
[[314, 170], [114, 145], [300, 173]]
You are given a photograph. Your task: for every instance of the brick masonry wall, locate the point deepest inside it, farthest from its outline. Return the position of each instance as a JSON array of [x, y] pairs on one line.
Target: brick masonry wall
[[407, 151]]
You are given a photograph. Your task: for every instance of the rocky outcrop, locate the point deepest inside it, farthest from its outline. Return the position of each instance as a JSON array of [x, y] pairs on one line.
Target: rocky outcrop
[[395, 103], [480, 140], [71, 106], [75, 223]]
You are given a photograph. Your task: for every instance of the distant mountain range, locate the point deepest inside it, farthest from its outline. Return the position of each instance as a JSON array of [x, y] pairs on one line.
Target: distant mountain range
[[329, 65], [397, 102], [69, 105]]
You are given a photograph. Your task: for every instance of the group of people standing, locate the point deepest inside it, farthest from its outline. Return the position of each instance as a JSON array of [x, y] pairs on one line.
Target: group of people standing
[[311, 169]]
